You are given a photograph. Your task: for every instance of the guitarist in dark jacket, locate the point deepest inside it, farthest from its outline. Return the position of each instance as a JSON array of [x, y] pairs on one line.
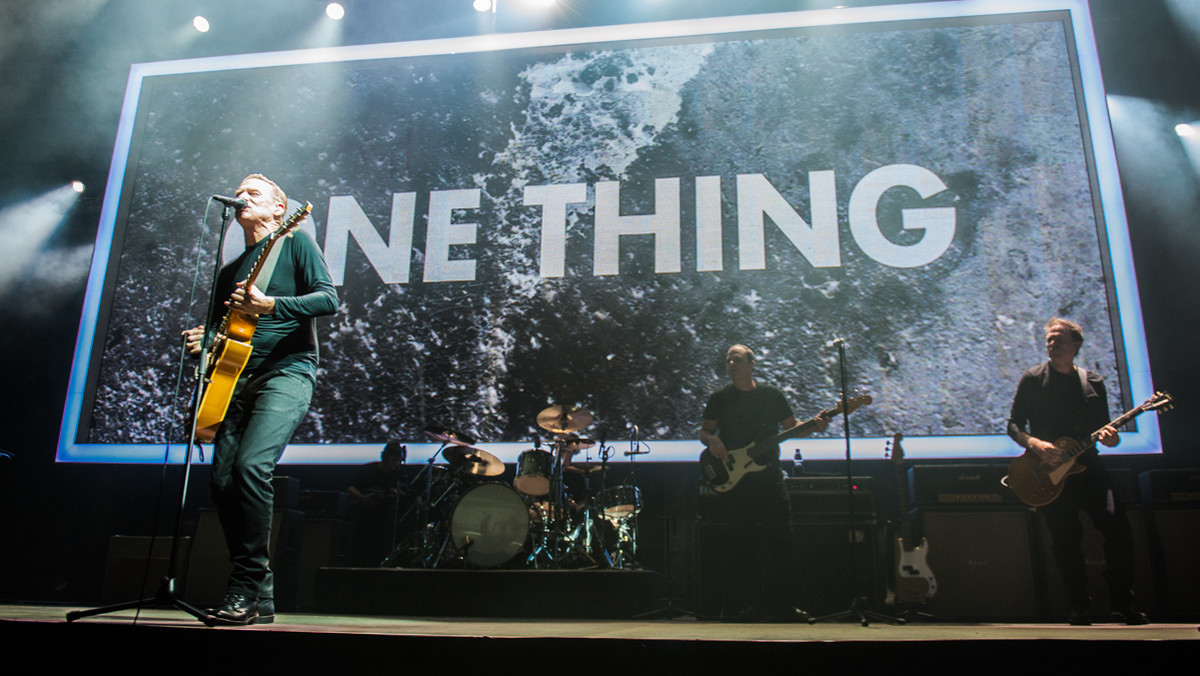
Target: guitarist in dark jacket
[[271, 396], [760, 550], [1056, 399]]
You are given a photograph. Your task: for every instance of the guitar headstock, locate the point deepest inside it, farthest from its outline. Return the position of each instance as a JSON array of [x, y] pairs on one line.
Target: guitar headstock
[[1161, 402], [896, 448], [293, 221], [852, 404]]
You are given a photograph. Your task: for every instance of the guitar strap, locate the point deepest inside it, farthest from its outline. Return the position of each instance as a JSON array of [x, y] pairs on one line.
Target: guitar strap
[[268, 266], [1083, 383]]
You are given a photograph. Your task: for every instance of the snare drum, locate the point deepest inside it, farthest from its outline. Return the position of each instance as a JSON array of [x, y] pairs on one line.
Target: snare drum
[[534, 468], [621, 502], [490, 524]]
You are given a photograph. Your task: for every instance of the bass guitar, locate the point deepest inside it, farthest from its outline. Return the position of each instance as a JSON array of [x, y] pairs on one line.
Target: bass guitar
[[912, 580], [723, 476], [230, 350], [1036, 483]]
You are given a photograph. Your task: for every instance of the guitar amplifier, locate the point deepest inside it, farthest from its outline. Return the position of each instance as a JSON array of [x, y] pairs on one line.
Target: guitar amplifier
[[934, 485], [1170, 486], [287, 491], [324, 504], [125, 569], [983, 562], [814, 493], [1175, 552]]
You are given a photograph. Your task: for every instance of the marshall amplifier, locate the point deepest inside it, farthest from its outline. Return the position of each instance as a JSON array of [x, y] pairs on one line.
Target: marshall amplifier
[[945, 485], [1171, 486], [982, 560]]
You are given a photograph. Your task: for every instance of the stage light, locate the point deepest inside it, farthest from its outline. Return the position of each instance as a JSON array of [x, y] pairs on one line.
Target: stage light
[[1189, 137], [200, 24], [26, 227], [328, 30], [482, 5]]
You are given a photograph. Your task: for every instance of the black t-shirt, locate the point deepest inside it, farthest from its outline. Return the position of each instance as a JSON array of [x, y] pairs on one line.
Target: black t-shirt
[[746, 416], [1050, 405]]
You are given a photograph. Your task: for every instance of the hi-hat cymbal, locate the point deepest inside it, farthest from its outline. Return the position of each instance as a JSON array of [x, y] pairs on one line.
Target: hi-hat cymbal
[[562, 419], [583, 467], [473, 461], [573, 443]]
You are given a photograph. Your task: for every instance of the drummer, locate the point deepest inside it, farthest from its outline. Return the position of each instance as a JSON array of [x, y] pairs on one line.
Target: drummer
[[374, 497]]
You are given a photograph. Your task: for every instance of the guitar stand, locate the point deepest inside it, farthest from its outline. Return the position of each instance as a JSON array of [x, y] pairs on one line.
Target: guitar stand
[[860, 606], [915, 614]]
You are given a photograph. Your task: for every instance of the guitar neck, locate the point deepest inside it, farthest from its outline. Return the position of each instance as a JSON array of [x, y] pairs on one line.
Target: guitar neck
[[906, 530], [759, 449], [1095, 436], [767, 446], [251, 279]]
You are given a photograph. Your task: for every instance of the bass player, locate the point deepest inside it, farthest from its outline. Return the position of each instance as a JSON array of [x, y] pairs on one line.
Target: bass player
[[760, 551]]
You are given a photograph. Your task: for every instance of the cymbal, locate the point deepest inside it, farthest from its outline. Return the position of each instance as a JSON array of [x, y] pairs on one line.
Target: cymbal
[[583, 467], [473, 461], [562, 419], [572, 443], [449, 435]]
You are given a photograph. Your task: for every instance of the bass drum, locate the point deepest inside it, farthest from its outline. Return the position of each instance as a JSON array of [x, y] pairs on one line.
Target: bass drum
[[490, 524]]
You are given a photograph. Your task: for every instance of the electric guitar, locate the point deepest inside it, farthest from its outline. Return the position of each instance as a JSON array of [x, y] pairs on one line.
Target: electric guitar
[[230, 350], [913, 581], [723, 476], [1036, 483]]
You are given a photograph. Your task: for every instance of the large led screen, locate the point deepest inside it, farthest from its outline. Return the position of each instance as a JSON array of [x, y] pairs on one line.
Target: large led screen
[[591, 217]]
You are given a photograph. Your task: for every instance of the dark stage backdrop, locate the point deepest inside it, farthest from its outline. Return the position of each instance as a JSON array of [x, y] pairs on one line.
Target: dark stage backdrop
[[592, 216]]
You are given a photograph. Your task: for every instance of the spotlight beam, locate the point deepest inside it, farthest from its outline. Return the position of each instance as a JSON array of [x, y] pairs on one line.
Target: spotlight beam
[[26, 227]]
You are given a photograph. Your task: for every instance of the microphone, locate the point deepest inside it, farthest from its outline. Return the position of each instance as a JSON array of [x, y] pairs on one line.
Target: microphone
[[635, 442], [230, 201]]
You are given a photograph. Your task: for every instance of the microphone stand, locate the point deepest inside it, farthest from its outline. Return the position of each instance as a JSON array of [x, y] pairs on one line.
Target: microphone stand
[[860, 605], [168, 594]]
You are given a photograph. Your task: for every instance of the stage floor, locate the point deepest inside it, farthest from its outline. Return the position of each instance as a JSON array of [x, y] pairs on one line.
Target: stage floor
[[311, 643], [681, 629]]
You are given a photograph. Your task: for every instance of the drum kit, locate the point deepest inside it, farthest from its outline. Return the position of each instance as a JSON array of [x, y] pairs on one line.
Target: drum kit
[[559, 511]]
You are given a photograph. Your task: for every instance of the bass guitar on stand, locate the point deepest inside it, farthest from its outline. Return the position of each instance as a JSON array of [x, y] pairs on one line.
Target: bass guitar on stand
[[912, 581]]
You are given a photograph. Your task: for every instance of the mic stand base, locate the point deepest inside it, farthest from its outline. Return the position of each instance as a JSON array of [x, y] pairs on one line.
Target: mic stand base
[[165, 597], [859, 610]]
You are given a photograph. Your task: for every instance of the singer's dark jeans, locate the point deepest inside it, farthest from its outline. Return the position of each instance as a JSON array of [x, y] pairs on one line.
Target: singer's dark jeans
[[264, 412]]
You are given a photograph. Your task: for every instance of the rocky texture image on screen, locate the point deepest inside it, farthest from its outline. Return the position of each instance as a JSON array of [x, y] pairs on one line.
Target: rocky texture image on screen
[[990, 110]]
